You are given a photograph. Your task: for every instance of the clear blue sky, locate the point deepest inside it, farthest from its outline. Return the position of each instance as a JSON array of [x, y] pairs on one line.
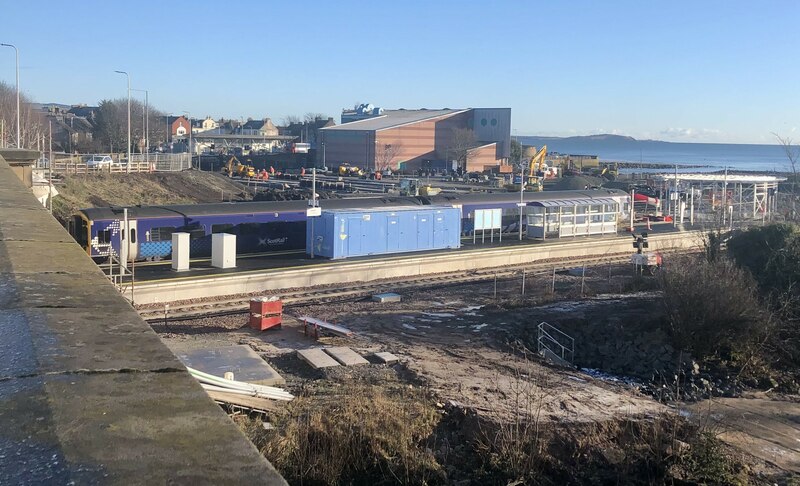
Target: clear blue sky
[[712, 71]]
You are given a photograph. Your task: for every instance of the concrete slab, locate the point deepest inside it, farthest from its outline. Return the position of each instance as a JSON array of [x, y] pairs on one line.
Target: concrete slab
[[387, 358], [317, 358], [346, 356], [245, 364], [386, 297]]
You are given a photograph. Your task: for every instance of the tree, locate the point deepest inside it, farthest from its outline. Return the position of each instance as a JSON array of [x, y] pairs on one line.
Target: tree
[[793, 154], [386, 155], [290, 120], [312, 117], [31, 120], [111, 125], [517, 152], [462, 146]]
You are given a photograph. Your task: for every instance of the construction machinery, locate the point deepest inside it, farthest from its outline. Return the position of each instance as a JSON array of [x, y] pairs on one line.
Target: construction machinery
[[411, 187], [235, 168], [349, 170]]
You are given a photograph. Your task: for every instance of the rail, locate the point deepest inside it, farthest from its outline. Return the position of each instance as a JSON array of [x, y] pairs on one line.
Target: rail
[[554, 344], [178, 311]]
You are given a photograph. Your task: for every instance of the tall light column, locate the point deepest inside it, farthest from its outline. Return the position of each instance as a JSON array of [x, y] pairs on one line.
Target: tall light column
[[146, 125], [16, 55], [189, 117], [128, 165]]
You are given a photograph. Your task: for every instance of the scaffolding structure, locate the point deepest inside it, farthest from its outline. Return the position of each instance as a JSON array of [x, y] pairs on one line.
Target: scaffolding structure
[[720, 198]]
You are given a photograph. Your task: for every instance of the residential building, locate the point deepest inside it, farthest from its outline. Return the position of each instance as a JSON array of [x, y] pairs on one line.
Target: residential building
[[263, 128]]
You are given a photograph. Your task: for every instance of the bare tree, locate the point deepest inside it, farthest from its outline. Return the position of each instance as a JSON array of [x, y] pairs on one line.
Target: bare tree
[[386, 155], [462, 146], [31, 120], [793, 154], [291, 119], [312, 117]]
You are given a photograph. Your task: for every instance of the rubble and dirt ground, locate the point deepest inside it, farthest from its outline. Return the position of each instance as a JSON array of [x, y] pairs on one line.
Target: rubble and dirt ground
[[468, 347]]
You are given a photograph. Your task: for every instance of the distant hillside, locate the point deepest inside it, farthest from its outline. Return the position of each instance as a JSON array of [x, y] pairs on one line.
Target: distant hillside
[[605, 139]]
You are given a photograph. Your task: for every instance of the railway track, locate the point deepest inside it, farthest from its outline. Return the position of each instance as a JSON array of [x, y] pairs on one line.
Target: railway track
[[240, 305]]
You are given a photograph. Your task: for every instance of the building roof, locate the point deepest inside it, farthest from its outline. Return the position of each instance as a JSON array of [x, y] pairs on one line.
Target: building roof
[[393, 118]]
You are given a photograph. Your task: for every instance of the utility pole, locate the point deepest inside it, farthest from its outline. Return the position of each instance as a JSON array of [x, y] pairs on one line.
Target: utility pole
[[189, 117], [521, 201], [50, 172], [128, 165], [16, 55], [146, 126]]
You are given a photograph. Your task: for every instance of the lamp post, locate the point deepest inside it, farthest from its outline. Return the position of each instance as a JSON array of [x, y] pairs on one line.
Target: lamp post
[[146, 125], [521, 197], [128, 165], [189, 118], [16, 55]]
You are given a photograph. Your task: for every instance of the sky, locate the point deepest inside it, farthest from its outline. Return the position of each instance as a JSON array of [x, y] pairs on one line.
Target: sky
[[708, 71]]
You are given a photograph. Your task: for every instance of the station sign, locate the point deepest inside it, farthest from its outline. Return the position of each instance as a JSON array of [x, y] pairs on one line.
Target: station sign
[[313, 212]]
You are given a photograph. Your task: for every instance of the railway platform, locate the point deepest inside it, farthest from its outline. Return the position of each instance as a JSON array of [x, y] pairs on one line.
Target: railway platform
[[291, 271]]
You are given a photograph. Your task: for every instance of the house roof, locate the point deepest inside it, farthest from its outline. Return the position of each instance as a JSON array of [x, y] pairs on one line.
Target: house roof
[[84, 111], [394, 118]]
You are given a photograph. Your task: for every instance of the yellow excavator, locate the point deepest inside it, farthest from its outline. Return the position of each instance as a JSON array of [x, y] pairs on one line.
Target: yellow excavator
[[236, 168], [348, 170], [536, 172], [537, 166]]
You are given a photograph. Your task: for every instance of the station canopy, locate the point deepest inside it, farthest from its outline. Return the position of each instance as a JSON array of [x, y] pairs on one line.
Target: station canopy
[[560, 203], [730, 178]]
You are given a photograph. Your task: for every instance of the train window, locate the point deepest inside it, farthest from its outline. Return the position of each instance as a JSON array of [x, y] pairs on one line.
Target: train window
[[104, 236], [222, 228], [133, 235], [196, 231], [251, 228], [163, 233]]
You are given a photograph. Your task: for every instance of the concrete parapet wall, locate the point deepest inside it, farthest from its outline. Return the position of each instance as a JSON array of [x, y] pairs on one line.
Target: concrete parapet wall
[[398, 267], [88, 392]]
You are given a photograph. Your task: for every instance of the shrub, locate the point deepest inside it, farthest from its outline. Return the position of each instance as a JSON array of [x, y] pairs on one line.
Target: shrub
[[363, 435], [712, 308]]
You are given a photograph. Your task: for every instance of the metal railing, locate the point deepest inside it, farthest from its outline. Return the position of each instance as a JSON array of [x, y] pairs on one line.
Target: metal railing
[[77, 164], [555, 345]]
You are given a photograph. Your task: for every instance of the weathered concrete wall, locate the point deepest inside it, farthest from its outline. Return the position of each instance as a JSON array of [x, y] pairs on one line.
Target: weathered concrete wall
[[396, 267], [88, 393]]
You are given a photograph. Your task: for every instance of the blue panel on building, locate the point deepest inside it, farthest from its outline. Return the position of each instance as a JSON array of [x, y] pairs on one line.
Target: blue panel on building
[[360, 232]]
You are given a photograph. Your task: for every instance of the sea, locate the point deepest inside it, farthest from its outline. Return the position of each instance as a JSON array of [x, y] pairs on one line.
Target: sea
[[703, 157]]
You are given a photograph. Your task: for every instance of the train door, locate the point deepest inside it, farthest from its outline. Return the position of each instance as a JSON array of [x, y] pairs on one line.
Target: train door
[[439, 230], [392, 233], [354, 239], [128, 250], [424, 230]]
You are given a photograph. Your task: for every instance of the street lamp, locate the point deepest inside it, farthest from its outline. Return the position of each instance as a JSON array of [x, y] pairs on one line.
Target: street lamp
[[16, 53], [146, 125], [128, 165], [189, 117]]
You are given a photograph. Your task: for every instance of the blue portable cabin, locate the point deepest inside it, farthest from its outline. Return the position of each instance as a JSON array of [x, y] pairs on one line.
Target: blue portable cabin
[[377, 231]]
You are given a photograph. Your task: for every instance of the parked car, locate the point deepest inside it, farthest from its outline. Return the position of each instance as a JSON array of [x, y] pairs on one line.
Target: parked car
[[100, 161]]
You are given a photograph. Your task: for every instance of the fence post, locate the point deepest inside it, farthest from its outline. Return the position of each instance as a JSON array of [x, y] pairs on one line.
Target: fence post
[[553, 287], [523, 282], [583, 278]]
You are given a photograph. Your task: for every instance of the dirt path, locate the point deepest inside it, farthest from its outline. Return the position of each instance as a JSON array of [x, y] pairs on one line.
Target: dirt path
[[767, 429]]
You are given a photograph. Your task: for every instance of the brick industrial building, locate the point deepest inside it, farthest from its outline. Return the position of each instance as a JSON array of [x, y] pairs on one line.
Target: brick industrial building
[[407, 140]]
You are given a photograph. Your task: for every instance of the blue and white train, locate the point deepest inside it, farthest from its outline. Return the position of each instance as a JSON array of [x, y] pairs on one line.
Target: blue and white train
[[268, 226]]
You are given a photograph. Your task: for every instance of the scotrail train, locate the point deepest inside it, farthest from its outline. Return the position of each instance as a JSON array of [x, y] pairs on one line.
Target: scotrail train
[[275, 225]]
